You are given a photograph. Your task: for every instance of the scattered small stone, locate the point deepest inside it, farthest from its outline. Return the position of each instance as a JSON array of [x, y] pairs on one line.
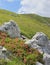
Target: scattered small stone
[[2, 52]]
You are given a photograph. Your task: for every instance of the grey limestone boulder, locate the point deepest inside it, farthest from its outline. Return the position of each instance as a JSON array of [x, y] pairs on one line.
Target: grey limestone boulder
[[11, 28], [48, 48], [33, 44], [39, 40], [46, 58]]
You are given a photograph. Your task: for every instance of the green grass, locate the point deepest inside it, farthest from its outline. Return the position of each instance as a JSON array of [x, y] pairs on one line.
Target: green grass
[[15, 61], [28, 23]]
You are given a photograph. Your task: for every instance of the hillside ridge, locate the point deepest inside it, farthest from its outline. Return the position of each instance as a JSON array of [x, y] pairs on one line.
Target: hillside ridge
[[28, 23]]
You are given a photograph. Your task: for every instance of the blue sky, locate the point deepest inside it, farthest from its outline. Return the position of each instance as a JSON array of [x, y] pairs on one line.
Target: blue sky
[[41, 7], [12, 5]]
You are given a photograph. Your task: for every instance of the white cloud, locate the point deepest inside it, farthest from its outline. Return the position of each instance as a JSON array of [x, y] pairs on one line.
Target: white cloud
[[41, 7]]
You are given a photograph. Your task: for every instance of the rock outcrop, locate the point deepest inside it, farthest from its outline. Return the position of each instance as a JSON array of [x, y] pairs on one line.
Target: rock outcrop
[[46, 58], [11, 28], [40, 40]]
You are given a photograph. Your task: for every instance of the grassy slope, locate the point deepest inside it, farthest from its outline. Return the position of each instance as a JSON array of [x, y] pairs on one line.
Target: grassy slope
[[28, 23], [21, 54]]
